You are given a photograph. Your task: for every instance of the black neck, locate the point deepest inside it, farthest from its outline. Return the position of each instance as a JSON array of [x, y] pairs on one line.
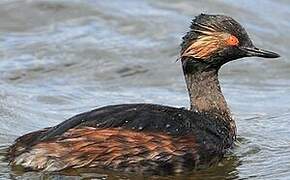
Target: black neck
[[205, 93], [204, 89]]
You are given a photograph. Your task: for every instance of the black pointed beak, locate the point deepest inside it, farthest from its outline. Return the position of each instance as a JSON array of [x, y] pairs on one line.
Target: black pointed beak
[[253, 51]]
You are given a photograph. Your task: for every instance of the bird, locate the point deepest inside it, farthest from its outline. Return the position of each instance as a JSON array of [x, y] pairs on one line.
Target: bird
[[150, 138]]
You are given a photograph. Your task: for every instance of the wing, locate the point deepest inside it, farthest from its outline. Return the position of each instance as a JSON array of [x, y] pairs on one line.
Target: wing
[[140, 118], [119, 136], [137, 117]]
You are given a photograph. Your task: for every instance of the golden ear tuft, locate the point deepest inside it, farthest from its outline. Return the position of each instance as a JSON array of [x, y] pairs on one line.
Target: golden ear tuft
[[209, 43], [203, 47]]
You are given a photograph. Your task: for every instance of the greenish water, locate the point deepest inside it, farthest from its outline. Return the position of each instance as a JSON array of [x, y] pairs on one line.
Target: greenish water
[[60, 58]]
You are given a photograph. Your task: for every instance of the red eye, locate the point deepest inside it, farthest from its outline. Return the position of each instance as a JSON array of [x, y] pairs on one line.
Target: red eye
[[232, 41]]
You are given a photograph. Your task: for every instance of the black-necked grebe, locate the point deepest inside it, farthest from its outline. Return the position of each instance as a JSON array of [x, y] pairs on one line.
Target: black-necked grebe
[[149, 138]]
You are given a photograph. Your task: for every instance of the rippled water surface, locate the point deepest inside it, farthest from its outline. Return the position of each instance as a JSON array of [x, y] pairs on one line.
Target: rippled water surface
[[63, 57]]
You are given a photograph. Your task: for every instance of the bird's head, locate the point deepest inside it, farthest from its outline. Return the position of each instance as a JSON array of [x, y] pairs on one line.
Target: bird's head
[[214, 40]]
